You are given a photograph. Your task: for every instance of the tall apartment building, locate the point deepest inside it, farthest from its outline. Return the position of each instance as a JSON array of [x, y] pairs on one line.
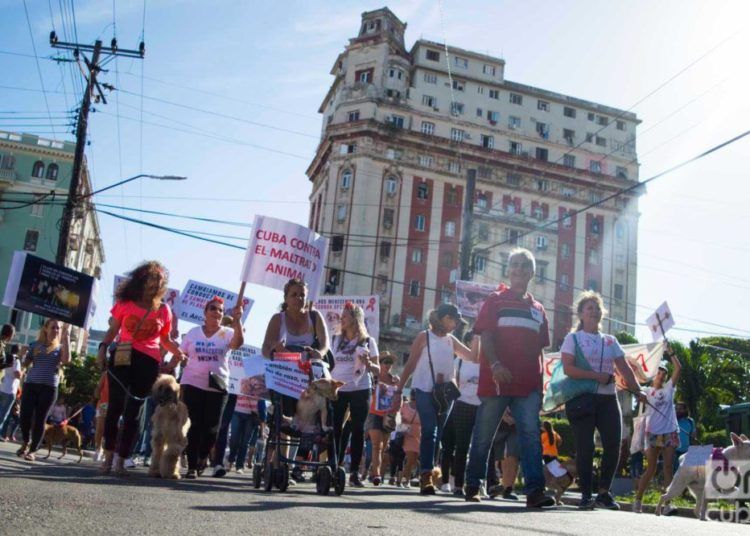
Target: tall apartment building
[[389, 178], [30, 167]]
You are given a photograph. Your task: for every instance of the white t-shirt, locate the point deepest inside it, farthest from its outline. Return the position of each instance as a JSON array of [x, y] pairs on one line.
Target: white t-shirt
[[205, 355], [348, 367], [441, 349], [467, 376], [663, 400], [10, 383], [600, 352]]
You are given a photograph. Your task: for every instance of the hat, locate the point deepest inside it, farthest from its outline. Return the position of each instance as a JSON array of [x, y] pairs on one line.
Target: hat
[[448, 309], [663, 366]]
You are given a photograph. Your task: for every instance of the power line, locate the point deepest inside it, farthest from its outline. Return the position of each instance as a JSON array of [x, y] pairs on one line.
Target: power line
[[38, 67]]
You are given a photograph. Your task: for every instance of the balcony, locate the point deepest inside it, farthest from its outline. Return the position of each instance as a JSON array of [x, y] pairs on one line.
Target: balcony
[[7, 177]]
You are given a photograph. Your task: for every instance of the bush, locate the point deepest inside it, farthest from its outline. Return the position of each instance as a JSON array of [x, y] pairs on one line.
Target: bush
[[717, 438], [80, 379]]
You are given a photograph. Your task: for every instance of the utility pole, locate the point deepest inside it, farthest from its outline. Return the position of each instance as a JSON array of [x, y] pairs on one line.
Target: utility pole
[[83, 116], [466, 238]]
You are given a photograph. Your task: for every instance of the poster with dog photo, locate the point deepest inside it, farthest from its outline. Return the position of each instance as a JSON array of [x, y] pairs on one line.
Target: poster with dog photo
[[471, 295], [247, 372], [42, 287], [331, 306]]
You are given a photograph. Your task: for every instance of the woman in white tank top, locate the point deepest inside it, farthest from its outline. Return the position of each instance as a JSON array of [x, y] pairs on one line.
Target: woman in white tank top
[[439, 346]]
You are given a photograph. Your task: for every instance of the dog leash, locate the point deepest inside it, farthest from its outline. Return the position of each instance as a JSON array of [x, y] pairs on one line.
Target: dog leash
[[128, 394]]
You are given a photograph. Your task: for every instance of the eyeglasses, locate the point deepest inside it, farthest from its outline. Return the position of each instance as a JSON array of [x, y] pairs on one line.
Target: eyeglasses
[[216, 308]]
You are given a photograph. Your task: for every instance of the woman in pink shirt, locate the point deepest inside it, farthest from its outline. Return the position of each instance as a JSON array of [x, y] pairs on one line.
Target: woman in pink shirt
[[140, 318]]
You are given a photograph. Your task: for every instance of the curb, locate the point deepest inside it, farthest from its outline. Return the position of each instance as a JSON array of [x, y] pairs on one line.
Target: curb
[[682, 511]]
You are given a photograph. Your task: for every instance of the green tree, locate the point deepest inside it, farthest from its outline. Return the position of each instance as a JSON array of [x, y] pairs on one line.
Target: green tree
[[623, 337], [80, 377]]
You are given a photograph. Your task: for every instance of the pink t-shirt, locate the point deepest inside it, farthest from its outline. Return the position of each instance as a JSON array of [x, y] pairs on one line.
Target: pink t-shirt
[[156, 325]]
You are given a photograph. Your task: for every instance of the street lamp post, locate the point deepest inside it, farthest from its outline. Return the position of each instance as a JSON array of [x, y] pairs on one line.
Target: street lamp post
[[73, 200]]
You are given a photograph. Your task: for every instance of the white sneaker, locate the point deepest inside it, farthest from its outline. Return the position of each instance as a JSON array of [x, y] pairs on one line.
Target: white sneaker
[[446, 488], [239, 471], [219, 471], [129, 463], [98, 456], [637, 507]]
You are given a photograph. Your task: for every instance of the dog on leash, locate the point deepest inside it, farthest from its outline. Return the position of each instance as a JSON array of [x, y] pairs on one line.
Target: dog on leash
[[170, 424], [62, 434], [559, 484], [693, 477], [312, 401]]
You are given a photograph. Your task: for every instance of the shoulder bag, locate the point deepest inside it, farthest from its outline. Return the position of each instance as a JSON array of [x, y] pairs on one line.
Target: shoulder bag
[[444, 393], [562, 389]]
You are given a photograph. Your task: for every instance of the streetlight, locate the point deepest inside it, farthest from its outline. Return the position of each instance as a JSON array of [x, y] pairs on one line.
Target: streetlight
[[142, 175]]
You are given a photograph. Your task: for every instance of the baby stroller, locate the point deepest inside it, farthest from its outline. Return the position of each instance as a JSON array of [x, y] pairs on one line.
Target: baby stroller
[[275, 468]]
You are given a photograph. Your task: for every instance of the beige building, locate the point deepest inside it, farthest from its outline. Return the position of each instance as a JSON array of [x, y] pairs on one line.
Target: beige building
[[401, 129]]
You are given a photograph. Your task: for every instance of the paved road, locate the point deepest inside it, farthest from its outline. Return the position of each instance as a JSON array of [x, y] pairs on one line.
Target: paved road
[[63, 498]]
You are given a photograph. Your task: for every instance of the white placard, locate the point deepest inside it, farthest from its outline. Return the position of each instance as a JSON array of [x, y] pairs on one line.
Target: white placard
[[195, 295], [331, 306], [663, 314], [470, 297], [285, 376], [280, 250], [247, 371]]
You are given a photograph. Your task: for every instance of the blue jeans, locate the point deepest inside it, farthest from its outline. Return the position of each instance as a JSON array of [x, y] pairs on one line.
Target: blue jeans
[[244, 432], [525, 410], [144, 441], [6, 402], [432, 429]]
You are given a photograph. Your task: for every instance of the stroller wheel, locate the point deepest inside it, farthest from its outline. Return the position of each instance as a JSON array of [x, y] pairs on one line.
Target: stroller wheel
[[339, 481], [282, 477], [323, 484], [268, 476], [257, 476]]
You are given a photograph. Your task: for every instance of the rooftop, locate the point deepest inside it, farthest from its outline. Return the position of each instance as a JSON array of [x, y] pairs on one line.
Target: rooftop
[[32, 140]]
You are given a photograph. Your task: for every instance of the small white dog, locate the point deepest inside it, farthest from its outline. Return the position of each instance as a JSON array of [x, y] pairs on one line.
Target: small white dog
[[170, 424], [694, 477]]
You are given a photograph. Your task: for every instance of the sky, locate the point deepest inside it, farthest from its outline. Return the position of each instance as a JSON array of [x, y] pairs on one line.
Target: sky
[[228, 92]]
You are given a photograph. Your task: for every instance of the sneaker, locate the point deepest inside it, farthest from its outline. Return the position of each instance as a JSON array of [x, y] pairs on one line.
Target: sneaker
[[637, 507], [509, 495], [471, 494], [355, 481], [239, 471], [495, 491], [539, 499], [445, 488], [425, 484], [587, 503], [191, 474], [201, 468], [670, 510], [98, 456], [391, 481], [147, 461], [376, 481], [606, 501], [405, 484], [129, 463], [458, 492], [219, 471]]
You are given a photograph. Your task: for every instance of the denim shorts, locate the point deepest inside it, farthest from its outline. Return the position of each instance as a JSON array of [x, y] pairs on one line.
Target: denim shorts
[[664, 440]]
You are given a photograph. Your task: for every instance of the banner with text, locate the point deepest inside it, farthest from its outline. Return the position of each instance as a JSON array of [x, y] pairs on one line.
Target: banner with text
[[331, 306], [42, 287], [281, 250], [285, 375], [194, 296], [247, 372], [171, 298], [470, 296]]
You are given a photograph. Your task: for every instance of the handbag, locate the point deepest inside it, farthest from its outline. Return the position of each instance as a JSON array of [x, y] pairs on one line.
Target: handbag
[[562, 388], [638, 441], [444, 393], [123, 352]]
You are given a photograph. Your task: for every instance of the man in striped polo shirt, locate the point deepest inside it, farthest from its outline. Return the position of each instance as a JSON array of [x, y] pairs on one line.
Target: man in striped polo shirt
[[514, 330]]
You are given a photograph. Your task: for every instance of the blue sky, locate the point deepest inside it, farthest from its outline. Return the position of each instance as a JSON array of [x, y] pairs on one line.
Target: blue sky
[[262, 69]]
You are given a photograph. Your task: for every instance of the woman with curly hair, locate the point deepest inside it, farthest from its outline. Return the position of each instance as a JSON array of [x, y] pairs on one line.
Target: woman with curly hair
[[138, 319]]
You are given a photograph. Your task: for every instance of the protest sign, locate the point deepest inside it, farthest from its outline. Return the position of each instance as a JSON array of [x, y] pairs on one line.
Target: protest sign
[[660, 322], [285, 376], [331, 306], [171, 298], [247, 372], [281, 250], [42, 287], [384, 397], [195, 295], [470, 296]]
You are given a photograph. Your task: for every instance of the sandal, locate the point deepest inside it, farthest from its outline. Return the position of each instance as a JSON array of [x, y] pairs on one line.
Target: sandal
[[106, 467], [29, 457], [21, 452]]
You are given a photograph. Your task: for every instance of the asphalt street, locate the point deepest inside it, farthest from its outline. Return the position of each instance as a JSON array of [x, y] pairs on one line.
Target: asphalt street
[[63, 497]]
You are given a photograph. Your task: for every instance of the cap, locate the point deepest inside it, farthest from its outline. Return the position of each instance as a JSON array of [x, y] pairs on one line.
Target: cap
[[663, 366], [448, 309]]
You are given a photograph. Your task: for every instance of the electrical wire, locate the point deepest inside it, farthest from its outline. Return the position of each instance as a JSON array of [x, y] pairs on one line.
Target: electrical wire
[[38, 67]]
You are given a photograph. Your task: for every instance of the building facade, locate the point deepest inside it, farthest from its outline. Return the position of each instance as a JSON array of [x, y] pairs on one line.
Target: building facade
[[401, 129], [30, 167]]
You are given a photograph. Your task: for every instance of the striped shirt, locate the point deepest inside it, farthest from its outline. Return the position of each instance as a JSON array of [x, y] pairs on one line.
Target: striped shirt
[[45, 369]]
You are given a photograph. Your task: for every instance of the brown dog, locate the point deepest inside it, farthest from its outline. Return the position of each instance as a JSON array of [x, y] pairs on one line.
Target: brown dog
[[55, 434], [313, 401], [558, 484], [170, 424]]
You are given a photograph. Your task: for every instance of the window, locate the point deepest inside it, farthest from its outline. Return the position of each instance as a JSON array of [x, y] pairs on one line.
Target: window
[[388, 218], [454, 167], [457, 108], [595, 166], [397, 121], [513, 236], [495, 94], [619, 291], [541, 272], [513, 179], [346, 179], [595, 226], [620, 125], [569, 135], [348, 148], [37, 209], [461, 63], [514, 123], [450, 228], [515, 98], [621, 172], [591, 116], [603, 121], [364, 76], [414, 288], [565, 251], [593, 285], [457, 134], [391, 184], [480, 263], [569, 112], [589, 137], [30, 240], [52, 170], [392, 154], [516, 147], [433, 55], [423, 191], [459, 85], [430, 78], [446, 294], [428, 128], [9, 162], [594, 256], [341, 213], [446, 260], [493, 116], [567, 220], [488, 142], [564, 282], [541, 242], [451, 196], [419, 222], [542, 185], [542, 154], [484, 232], [38, 171], [395, 73], [480, 90], [416, 255], [385, 249], [568, 191], [542, 105], [620, 231], [569, 160], [481, 203], [424, 160], [480, 113], [337, 243], [429, 100], [542, 129], [382, 283], [601, 142], [489, 69]]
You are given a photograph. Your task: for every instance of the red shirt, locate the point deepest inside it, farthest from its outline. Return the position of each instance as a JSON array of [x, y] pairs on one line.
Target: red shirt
[[147, 339], [519, 330]]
